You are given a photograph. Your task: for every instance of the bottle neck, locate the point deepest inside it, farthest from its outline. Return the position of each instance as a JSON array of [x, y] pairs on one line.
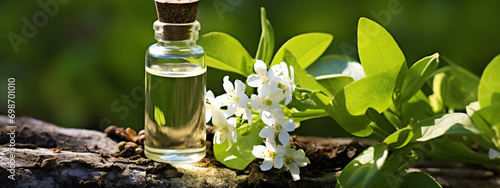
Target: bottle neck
[[177, 35], [177, 44]]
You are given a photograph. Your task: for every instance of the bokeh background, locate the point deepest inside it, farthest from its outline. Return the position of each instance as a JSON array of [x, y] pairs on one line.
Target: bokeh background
[[82, 65]]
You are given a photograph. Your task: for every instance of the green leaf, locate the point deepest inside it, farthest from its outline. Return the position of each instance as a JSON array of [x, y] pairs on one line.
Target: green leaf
[[379, 156], [304, 115], [266, 43], [459, 70], [487, 120], [240, 154], [303, 79], [418, 180], [449, 150], [458, 86], [306, 48], [378, 51], [159, 117], [365, 170], [356, 125], [383, 63], [301, 101], [225, 53], [417, 75], [417, 108], [454, 123], [399, 138], [334, 72], [435, 100], [336, 65], [489, 86], [334, 83], [374, 91]]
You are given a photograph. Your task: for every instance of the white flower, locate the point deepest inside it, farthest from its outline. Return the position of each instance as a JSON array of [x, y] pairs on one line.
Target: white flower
[[268, 102], [211, 104], [276, 125], [293, 159], [256, 80], [493, 153], [245, 113], [235, 96], [285, 81], [224, 128], [263, 79], [272, 155]]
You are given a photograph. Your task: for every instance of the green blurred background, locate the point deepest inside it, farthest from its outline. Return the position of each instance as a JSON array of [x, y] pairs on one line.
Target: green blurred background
[[83, 65]]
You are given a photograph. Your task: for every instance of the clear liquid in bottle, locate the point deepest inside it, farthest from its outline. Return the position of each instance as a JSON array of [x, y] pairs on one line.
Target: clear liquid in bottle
[[175, 112]]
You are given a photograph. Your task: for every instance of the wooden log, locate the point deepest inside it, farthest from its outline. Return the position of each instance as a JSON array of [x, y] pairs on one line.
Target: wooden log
[[50, 156], [97, 165]]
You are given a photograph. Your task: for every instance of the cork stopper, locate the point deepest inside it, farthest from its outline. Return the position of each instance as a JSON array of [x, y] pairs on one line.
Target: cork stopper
[[176, 11], [176, 20]]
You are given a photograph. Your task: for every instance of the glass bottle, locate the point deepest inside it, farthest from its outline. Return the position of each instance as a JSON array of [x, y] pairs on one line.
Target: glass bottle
[[175, 95]]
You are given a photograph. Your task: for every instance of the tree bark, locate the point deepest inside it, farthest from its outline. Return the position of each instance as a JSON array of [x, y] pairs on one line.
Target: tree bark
[[89, 158]]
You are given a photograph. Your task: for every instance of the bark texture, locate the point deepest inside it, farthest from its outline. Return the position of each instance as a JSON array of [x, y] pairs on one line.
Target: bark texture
[[50, 156], [89, 159]]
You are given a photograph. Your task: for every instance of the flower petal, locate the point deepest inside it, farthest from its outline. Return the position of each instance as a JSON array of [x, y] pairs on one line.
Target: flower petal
[[299, 157], [228, 86], [229, 145], [259, 65], [279, 116], [248, 114], [276, 96], [268, 118], [239, 87], [288, 99], [208, 115], [217, 137], [275, 106], [215, 102], [284, 68], [270, 145], [284, 137], [266, 165], [275, 71], [222, 100], [259, 151], [273, 84], [254, 80], [233, 136], [289, 125], [240, 112], [264, 90], [493, 153], [295, 171], [218, 118], [242, 101], [231, 109], [280, 150], [257, 102], [209, 95], [278, 162], [267, 132], [232, 122]]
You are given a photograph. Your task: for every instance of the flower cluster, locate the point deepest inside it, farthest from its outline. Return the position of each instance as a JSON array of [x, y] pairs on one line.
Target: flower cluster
[[273, 86]]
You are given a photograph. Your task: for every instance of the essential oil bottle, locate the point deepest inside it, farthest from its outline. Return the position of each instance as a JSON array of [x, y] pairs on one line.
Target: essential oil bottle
[[175, 86]]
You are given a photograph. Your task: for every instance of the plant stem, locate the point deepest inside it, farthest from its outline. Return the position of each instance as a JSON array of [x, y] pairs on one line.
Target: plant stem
[[309, 113], [381, 132], [400, 122]]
